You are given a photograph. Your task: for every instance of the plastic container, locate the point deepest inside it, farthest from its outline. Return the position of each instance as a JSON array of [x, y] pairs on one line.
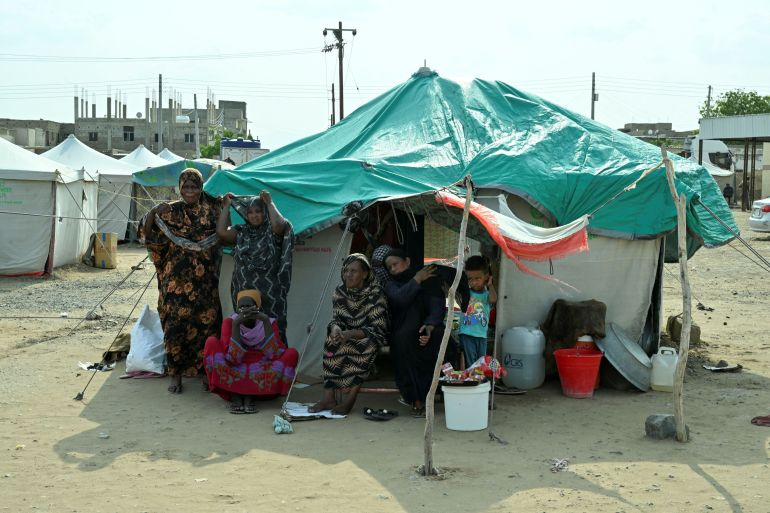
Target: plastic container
[[663, 369], [578, 370], [585, 342], [523, 357], [466, 408]]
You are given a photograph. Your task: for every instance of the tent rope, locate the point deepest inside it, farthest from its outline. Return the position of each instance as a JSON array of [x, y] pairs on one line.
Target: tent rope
[[737, 235], [80, 207], [79, 218], [134, 268], [311, 327], [81, 394], [627, 188]]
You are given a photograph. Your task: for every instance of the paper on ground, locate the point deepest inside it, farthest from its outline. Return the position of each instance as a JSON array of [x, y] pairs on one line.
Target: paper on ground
[[300, 410]]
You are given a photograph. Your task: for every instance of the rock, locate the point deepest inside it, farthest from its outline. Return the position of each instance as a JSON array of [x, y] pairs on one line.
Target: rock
[[661, 426], [674, 329], [93, 316]]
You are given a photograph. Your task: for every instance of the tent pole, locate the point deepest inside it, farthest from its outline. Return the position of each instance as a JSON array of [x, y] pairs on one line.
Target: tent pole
[[684, 344], [428, 469]]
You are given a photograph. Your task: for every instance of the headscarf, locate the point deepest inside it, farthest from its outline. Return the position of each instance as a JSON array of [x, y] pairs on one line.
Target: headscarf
[[365, 308], [357, 257], [252, 293], [179, 224], [378, 263], [405, 275], [244, 203], [255, 247], [191, 175]]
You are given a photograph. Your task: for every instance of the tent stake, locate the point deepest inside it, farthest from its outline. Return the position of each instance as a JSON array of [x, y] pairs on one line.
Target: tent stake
[[684, 345], [428, 469]]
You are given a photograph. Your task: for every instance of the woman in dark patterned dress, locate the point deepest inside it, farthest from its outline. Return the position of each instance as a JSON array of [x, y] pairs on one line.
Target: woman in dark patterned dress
[[359, 326], [262, 251], [181, 239]]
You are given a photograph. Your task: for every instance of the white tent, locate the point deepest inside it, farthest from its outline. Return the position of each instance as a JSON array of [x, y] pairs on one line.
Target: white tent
[[42, 205], [142, 158], [169, 155], [114, 178]]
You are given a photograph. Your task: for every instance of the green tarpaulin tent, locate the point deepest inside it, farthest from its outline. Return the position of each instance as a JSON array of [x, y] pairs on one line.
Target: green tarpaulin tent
[[429, 132]]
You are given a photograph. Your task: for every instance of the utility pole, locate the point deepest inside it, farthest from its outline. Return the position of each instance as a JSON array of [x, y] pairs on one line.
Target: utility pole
[[160, 113], [594, 95], [708, 103], [197, 140], [332, 119], [339, 45]]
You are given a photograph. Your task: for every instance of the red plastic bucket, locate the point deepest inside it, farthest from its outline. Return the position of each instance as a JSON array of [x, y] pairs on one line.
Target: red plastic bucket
[[578, 371]]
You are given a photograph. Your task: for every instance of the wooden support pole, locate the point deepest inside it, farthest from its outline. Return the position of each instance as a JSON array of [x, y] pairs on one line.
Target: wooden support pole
[[680, 202], [428, 469]]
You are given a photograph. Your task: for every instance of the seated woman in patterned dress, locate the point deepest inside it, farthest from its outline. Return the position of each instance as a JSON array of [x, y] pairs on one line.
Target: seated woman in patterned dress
[[358, 327], [249, 361]]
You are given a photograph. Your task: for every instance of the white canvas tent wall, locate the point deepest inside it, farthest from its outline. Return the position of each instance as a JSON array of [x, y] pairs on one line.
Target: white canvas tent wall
[[620, 273], [31, 184], [312, 260], [114, 179], [169, 155], [139, 160]]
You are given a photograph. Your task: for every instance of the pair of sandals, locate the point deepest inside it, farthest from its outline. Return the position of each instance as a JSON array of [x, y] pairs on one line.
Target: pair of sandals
[[379, 415], [417, 413], [245, 408]]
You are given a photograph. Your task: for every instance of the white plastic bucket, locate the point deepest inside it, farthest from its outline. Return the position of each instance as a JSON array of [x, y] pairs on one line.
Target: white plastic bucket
[[466, 408]]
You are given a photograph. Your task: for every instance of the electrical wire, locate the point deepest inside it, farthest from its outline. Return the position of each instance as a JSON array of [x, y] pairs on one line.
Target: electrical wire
[[21, 57]]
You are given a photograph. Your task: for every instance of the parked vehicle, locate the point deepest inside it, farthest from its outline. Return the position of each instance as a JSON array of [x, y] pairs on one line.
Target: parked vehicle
[[760, 216], [717, 158]]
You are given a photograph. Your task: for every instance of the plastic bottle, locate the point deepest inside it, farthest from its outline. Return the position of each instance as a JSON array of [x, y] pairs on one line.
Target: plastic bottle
[[663, 369], [523, 357]]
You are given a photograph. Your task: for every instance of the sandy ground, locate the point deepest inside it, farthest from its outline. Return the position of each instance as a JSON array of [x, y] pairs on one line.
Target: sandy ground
[[130, 446]]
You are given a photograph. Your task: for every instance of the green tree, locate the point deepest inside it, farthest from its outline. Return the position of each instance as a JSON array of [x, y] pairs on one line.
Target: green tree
[[209, 151], [737, 103]]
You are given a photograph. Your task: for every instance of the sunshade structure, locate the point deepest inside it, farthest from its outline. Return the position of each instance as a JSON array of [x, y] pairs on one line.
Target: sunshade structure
[[167, 175], [112, 175], [169, 155], [42, 208], [142, 158], [528, 157]]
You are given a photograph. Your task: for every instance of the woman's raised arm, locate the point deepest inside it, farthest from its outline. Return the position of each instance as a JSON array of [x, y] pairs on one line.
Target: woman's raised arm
[[225, 233]]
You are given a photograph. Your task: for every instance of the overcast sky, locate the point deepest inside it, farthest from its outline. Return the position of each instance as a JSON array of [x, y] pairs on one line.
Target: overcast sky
[[653, 60]]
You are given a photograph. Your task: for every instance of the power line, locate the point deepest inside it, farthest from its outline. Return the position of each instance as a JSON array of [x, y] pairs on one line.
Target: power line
[[19, 57]]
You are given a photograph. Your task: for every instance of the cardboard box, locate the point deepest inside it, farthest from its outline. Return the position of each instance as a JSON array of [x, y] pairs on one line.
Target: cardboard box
[[106, 250]]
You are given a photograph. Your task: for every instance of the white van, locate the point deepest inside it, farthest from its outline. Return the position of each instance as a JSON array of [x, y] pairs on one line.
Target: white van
[[717, 158]]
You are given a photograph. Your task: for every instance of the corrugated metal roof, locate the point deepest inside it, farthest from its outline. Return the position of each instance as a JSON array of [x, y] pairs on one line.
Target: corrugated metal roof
[[755, 126]]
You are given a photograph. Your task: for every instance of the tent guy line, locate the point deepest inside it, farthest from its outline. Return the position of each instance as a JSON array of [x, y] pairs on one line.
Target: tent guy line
[[65, 217], [80, 395]]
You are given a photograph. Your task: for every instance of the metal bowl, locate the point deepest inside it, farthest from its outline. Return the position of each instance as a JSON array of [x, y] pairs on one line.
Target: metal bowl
[[627, 357]]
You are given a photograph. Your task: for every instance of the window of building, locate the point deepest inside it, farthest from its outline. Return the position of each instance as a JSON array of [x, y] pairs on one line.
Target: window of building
[[93, 136], [156, 136], [128, 133], [189, 138]]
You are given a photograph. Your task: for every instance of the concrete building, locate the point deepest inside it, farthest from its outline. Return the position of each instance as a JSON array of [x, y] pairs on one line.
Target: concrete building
[[655, 131], [120, 135], [115, 133], [38, 135]]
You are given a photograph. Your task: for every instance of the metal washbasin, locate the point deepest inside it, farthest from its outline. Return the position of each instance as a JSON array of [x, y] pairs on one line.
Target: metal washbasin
[[626, 356]]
